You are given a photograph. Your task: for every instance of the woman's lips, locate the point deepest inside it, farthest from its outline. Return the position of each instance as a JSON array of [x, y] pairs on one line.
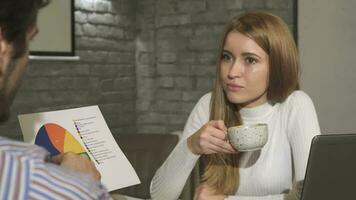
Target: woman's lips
[[233, 87]]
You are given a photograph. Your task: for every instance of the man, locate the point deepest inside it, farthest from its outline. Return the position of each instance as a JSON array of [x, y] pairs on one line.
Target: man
[[26, 171]]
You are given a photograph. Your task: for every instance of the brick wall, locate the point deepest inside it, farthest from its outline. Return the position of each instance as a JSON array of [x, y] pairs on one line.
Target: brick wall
[[144, 62], [176, 51], [104, 76]]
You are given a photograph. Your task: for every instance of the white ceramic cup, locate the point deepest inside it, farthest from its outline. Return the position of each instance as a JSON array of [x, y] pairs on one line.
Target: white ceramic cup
[[248, 137]]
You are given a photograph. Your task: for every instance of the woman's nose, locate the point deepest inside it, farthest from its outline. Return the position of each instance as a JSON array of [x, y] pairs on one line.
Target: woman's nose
[[236, 70]]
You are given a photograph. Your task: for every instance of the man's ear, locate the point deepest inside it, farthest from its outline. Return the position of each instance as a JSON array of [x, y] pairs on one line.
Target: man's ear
[[4, 45], [4, 53]]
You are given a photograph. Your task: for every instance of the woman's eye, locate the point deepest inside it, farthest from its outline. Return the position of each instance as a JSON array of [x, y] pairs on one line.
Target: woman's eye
[[226, 57], [250, 60]]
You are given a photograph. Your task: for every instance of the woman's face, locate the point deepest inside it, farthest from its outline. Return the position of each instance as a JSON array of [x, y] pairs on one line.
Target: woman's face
[[244, 70]]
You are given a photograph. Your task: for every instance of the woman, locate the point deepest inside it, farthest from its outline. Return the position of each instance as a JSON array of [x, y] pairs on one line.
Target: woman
[[257, 81]]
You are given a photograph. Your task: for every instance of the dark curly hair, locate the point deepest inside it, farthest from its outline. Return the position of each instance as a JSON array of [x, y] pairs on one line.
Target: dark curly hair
[[16, 18]]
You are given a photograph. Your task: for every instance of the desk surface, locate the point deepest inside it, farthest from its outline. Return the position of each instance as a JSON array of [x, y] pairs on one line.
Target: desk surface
[[123, 197]]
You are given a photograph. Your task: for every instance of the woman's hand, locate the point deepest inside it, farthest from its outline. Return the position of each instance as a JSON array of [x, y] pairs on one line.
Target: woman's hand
[[210, 138], [205, 192]]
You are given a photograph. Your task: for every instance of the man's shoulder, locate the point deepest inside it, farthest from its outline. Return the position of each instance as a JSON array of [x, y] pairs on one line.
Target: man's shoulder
[[17, 148], [33, 170]]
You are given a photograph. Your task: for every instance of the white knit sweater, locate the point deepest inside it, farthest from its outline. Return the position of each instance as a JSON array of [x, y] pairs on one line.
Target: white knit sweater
[[267, 174]]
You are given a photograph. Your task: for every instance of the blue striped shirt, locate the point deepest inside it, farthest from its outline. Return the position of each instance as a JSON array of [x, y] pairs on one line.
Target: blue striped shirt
[[25, 174]]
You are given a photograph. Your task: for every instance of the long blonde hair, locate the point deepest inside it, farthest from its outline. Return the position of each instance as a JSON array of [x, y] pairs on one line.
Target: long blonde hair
[[273, 36]]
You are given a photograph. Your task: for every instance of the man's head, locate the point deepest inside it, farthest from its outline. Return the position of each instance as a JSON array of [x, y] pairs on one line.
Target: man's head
[[17, 28]]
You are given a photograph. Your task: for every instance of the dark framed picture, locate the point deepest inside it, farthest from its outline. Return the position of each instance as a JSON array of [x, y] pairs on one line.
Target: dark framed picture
[[56, 30]]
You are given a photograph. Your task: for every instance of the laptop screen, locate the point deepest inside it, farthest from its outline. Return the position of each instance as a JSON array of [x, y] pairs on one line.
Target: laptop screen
[[331, 169]]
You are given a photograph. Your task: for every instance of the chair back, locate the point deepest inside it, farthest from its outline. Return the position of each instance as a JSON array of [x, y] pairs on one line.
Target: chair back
[[146, 153]]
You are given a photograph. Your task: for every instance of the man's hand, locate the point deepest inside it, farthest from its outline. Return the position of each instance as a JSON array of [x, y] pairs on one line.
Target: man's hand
[[77, 163]]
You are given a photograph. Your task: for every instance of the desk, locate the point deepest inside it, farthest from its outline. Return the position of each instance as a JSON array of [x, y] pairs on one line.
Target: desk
[[123, 197]]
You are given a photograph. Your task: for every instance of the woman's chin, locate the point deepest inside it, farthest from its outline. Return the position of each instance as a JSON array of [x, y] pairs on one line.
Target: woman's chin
[[234, 98]]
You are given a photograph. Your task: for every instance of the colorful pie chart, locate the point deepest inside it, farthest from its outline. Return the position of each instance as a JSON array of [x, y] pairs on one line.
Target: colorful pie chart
[[57, 140]]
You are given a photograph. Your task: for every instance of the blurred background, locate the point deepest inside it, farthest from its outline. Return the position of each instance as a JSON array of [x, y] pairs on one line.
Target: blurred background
[[147, 62], [144, 62]]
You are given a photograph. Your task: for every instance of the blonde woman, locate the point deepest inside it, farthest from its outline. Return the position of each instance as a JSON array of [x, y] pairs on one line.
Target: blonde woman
[[257, 81]]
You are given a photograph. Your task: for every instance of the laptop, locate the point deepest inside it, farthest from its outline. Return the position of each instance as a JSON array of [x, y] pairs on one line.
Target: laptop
[[331, 169]]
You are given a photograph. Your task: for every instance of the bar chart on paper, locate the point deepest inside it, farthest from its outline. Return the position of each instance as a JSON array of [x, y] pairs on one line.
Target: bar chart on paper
[[85, 132]]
